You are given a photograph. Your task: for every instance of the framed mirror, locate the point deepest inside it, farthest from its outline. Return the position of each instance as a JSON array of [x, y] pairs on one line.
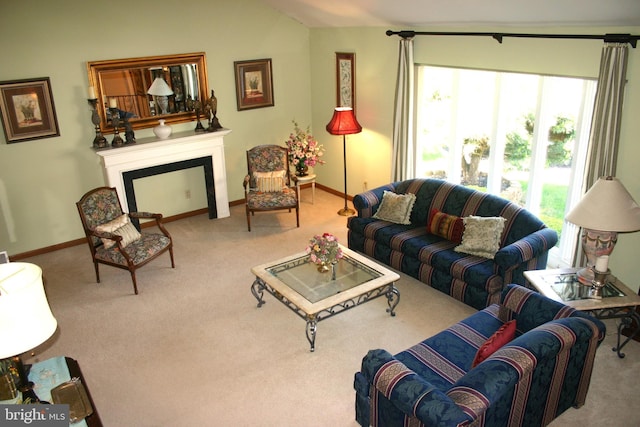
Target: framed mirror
[[126, 84]]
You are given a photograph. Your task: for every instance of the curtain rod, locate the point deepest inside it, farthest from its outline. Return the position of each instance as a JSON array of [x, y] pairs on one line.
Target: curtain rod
[[610, 38]]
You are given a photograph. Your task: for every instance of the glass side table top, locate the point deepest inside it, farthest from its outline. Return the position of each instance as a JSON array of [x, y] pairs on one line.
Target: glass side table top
[[303, 277], [567, 286], [562, 285]]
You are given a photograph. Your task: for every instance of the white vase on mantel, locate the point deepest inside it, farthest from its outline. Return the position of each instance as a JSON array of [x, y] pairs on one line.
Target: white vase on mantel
[[162, 131]]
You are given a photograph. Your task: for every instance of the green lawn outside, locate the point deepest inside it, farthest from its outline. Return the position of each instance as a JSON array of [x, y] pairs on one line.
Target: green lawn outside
[[554, 197]]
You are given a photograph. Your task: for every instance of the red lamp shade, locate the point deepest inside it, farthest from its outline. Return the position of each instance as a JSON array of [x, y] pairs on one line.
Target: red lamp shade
[[343, 122]]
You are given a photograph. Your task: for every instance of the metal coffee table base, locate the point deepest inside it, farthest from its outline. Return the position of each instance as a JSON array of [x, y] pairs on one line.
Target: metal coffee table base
[[389, 290]]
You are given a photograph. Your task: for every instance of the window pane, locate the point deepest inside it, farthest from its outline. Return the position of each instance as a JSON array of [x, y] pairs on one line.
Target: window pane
[[520, 136]]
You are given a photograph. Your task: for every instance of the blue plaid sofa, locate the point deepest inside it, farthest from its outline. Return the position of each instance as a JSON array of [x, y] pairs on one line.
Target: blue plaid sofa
[[529, 381], [476, 281]]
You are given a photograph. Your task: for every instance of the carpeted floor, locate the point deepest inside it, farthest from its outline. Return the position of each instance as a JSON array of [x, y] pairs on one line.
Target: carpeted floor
[[192, 349]]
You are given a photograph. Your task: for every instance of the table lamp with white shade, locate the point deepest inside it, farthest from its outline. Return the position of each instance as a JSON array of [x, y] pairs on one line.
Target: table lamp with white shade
[[604, 211], [161, 90], [26, 320]]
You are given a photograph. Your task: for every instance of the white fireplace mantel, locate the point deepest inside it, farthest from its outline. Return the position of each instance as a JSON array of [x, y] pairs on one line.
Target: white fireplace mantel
[[122, 163]]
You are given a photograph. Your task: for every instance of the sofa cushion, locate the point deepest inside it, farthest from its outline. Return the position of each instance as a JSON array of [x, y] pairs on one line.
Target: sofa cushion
[[121, 226], [396, 207], [502, 336], [444, 225], [481, 236]]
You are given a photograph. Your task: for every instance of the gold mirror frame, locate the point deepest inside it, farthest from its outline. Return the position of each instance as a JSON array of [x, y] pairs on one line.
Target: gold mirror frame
[[99, 70]]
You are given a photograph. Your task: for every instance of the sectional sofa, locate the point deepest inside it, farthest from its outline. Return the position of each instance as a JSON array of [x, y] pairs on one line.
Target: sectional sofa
[[427, 223]]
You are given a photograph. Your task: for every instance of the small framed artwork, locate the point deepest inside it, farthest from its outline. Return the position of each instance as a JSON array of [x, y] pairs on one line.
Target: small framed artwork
[[254, 84], [4, 257], [27, 110], [346, 80]]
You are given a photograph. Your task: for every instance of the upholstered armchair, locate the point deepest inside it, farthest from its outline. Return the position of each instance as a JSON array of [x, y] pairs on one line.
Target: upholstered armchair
[[267, 183], [531, 377], [114, 240]]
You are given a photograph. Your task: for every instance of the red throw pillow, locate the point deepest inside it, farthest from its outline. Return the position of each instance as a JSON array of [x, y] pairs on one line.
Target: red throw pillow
[[446, 226], [499, 338]]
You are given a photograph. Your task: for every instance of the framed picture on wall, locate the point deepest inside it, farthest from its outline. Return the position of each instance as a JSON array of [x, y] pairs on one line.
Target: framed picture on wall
[[27, 110], [254, 84], [346, 80]]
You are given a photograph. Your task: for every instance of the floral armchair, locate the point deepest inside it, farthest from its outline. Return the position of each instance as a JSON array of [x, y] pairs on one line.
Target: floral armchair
[[267, 183], [114, 240]]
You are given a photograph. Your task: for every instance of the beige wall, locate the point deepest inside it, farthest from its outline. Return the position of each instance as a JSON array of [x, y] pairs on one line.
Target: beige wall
[[41, 180]]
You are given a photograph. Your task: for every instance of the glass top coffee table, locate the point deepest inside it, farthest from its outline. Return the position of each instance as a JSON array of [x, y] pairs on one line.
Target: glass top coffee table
[[314, 296]]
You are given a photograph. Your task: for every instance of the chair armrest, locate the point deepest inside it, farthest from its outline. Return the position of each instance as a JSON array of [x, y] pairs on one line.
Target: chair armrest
[[410, 393], [146, 215], [245, 183], [527, 248], [106, 235], [155, 216]]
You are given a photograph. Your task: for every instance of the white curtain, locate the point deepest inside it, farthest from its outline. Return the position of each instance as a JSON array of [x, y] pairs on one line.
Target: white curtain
[[404, 166], [602, 153]]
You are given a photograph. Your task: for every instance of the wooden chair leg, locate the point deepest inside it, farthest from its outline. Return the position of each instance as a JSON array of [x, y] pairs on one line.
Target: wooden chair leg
[[135, 284], [95, 265], [173, 265], [248, 220]]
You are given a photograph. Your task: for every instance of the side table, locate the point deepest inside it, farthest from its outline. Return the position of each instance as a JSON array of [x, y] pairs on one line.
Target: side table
[[92, 420], [301, 180], [617, 302]]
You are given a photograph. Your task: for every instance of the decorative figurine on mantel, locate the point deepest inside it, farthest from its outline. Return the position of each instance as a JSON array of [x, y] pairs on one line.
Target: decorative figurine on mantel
[[99, 141], [115, 121], [129, 135], [211, 110], [197, 106]]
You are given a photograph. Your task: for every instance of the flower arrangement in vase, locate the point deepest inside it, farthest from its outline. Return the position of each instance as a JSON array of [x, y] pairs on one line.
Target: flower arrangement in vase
[[304, 150], [324, 250]]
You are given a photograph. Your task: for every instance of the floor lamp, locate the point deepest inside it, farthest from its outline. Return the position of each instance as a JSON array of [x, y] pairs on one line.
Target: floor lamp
[[344, 123]]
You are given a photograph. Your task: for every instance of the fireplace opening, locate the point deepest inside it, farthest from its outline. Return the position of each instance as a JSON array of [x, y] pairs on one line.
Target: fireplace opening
[[205, 162]]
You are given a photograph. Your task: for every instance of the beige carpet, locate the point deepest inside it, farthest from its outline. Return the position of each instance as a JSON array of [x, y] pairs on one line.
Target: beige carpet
[[192, 349]]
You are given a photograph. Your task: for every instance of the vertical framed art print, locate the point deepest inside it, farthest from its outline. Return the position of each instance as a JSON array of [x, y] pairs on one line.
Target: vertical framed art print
[[27, 110], [346, 80]]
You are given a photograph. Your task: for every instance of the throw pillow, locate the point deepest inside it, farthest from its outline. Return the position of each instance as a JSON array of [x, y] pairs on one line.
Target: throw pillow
[[446, 226], [502, 336], [396, 207], [481, 236], [269, 182], [120, 226]]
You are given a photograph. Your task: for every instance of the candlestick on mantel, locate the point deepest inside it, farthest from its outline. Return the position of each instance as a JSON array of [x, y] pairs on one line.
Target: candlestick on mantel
[[113, 103], [92, 92]]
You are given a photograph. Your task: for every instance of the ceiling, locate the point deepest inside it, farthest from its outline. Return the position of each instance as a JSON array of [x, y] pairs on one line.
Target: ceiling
[[403, 14]]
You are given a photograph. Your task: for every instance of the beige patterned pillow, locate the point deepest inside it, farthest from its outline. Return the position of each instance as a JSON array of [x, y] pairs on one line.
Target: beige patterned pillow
[[269, 182], [396, 207], [120, 226], [481, 236]]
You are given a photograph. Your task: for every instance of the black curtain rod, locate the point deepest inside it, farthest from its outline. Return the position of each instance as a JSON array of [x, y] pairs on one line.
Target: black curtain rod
[[610, 38]]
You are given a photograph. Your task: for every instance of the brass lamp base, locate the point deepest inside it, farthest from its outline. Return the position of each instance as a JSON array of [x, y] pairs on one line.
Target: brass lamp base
[[346, 212]]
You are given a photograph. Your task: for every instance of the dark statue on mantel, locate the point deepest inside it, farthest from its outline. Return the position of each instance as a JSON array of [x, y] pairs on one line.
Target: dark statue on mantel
[[129, 135], [211, 109]]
